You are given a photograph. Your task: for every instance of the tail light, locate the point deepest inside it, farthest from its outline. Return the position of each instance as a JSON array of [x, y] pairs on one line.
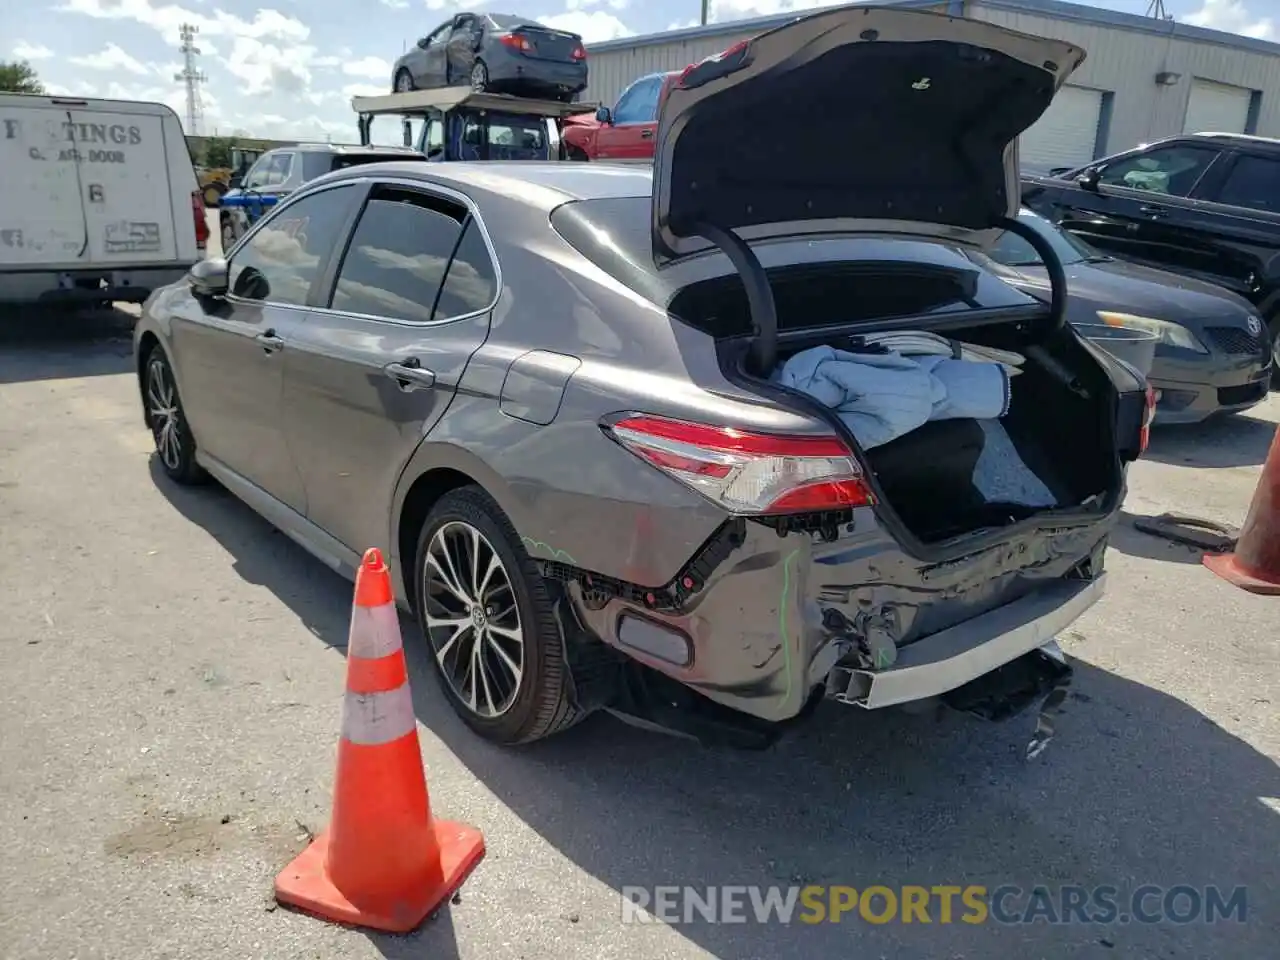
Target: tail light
[[579, 53], [201, 217], [1144, 438], [749, 473], [516, 42]]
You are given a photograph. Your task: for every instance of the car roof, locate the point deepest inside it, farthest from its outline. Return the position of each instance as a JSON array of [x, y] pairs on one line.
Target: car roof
[[545, 184], [344, 148]]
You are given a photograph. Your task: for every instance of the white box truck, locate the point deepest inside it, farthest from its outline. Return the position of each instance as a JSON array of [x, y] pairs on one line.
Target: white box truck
[[98, 200]]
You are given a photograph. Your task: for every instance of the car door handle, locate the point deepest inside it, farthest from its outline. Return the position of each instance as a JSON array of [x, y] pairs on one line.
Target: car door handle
[[270, 342], [410, 375], [646, 134], [1151, 211]]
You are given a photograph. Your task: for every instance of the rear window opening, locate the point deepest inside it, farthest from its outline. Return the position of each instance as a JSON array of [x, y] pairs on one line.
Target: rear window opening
[[1053, 451], [817, 295]]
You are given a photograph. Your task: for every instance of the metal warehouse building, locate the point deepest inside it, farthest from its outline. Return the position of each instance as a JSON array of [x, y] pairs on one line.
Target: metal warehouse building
[[1142, 79]]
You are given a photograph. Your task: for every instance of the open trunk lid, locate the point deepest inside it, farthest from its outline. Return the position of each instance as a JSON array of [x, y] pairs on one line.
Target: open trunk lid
[[897, 122]]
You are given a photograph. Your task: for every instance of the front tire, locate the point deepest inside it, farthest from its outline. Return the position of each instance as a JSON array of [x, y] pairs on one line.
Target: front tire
[[404, 81], [479, 77], [175, 446], [486, 614]]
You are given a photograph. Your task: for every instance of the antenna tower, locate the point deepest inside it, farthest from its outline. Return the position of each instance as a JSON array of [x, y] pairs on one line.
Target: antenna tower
[[191, 77], [1155, 8]]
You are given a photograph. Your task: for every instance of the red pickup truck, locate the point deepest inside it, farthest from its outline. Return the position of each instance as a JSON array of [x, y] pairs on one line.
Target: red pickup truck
[[625, 131]]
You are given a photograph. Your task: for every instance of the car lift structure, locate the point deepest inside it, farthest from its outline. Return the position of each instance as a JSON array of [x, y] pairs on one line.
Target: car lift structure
[[446, 103]]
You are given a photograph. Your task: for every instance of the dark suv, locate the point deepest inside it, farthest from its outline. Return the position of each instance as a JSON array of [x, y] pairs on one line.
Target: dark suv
[[1205, 205]]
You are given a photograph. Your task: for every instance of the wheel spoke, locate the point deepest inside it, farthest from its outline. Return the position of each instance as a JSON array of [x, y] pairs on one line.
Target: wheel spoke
[[483, 668], [446, 578], [473, 563], [510, 633], [459, 626], [505, 657]]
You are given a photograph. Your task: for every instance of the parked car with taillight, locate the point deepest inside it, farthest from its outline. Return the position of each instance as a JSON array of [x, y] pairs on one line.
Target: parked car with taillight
[[599, 415], [495, 52]]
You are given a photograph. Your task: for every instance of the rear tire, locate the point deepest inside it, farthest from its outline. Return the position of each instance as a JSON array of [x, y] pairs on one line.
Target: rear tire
[[489, 624], [479, 77], [175, 445], [577, 154]]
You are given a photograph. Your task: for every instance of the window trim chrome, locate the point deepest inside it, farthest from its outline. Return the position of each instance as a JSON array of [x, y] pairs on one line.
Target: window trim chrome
[[427, 186]]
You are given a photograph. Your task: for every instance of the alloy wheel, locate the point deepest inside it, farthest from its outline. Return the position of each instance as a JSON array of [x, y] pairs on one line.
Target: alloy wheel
[[162, 410], [404, 82], [479, 78], [473, 620]]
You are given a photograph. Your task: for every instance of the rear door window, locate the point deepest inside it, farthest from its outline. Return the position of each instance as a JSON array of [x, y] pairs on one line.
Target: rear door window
[[1253, 182], [1172, 170], [397, 266]]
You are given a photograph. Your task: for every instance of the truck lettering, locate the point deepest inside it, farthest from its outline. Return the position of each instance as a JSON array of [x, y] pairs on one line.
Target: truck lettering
[[90, 133], [11, 129], [106, 156], [35, 154], [11, 238]]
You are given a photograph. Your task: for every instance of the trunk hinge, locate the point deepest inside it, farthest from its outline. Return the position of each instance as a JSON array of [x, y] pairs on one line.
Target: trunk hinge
[[764, 313]]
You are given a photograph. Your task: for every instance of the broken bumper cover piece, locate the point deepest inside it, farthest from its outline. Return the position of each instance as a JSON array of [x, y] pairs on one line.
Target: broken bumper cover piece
[[951, 658]]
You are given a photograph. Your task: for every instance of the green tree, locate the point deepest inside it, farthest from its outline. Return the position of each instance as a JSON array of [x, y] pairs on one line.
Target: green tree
[[19, 77], [217, 152]]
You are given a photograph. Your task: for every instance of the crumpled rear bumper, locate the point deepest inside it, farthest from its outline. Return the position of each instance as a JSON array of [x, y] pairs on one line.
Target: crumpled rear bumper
[[953, 657]]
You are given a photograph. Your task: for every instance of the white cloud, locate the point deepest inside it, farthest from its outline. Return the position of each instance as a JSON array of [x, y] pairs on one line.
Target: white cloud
[[395, 4], [113, 58], [168, 18], [31, 51], [1234, 17], [374, 67], [594, 26], [266, 68]]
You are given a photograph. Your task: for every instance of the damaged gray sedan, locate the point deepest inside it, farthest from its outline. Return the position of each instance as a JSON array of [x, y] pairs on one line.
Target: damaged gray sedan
[[703, 444]]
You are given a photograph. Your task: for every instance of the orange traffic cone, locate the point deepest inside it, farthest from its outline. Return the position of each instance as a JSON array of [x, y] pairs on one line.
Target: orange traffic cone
[[384, 862], [1255, 565]]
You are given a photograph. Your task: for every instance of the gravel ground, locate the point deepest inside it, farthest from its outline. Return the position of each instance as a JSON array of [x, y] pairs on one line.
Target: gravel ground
[[175, 670]]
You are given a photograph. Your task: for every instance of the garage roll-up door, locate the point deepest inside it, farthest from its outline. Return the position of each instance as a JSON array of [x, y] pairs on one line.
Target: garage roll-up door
[[1067, 132], [1217, 108]]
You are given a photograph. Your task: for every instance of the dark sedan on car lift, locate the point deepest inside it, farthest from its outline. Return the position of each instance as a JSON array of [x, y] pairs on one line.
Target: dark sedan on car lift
[[1211, 357]]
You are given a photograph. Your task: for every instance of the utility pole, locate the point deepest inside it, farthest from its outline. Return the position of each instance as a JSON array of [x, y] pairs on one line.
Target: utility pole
[[191, 77]]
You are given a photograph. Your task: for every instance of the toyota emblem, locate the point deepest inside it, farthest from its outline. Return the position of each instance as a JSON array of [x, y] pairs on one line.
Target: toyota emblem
[[1255, 326]]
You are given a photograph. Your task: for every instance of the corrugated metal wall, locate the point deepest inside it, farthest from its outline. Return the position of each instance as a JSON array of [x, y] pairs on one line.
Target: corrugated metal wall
[[1125, 62], [1121, 61]]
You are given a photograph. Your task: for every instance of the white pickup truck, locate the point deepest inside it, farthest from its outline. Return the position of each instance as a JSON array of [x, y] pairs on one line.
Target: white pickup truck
[[98, 200]]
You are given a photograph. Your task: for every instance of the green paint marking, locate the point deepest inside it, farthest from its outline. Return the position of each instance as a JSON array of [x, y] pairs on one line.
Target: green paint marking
[[782, 620], [555, 554]]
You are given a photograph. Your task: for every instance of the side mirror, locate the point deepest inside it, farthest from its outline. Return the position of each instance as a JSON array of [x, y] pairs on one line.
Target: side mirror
[[208, 278], [604, 115], [422, 44], [1089, 179]]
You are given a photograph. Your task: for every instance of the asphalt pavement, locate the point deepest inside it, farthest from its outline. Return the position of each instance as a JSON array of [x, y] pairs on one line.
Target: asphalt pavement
[[174, 671]]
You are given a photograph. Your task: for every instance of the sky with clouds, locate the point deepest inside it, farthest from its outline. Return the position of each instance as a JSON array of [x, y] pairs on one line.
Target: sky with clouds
[[287, 69]]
